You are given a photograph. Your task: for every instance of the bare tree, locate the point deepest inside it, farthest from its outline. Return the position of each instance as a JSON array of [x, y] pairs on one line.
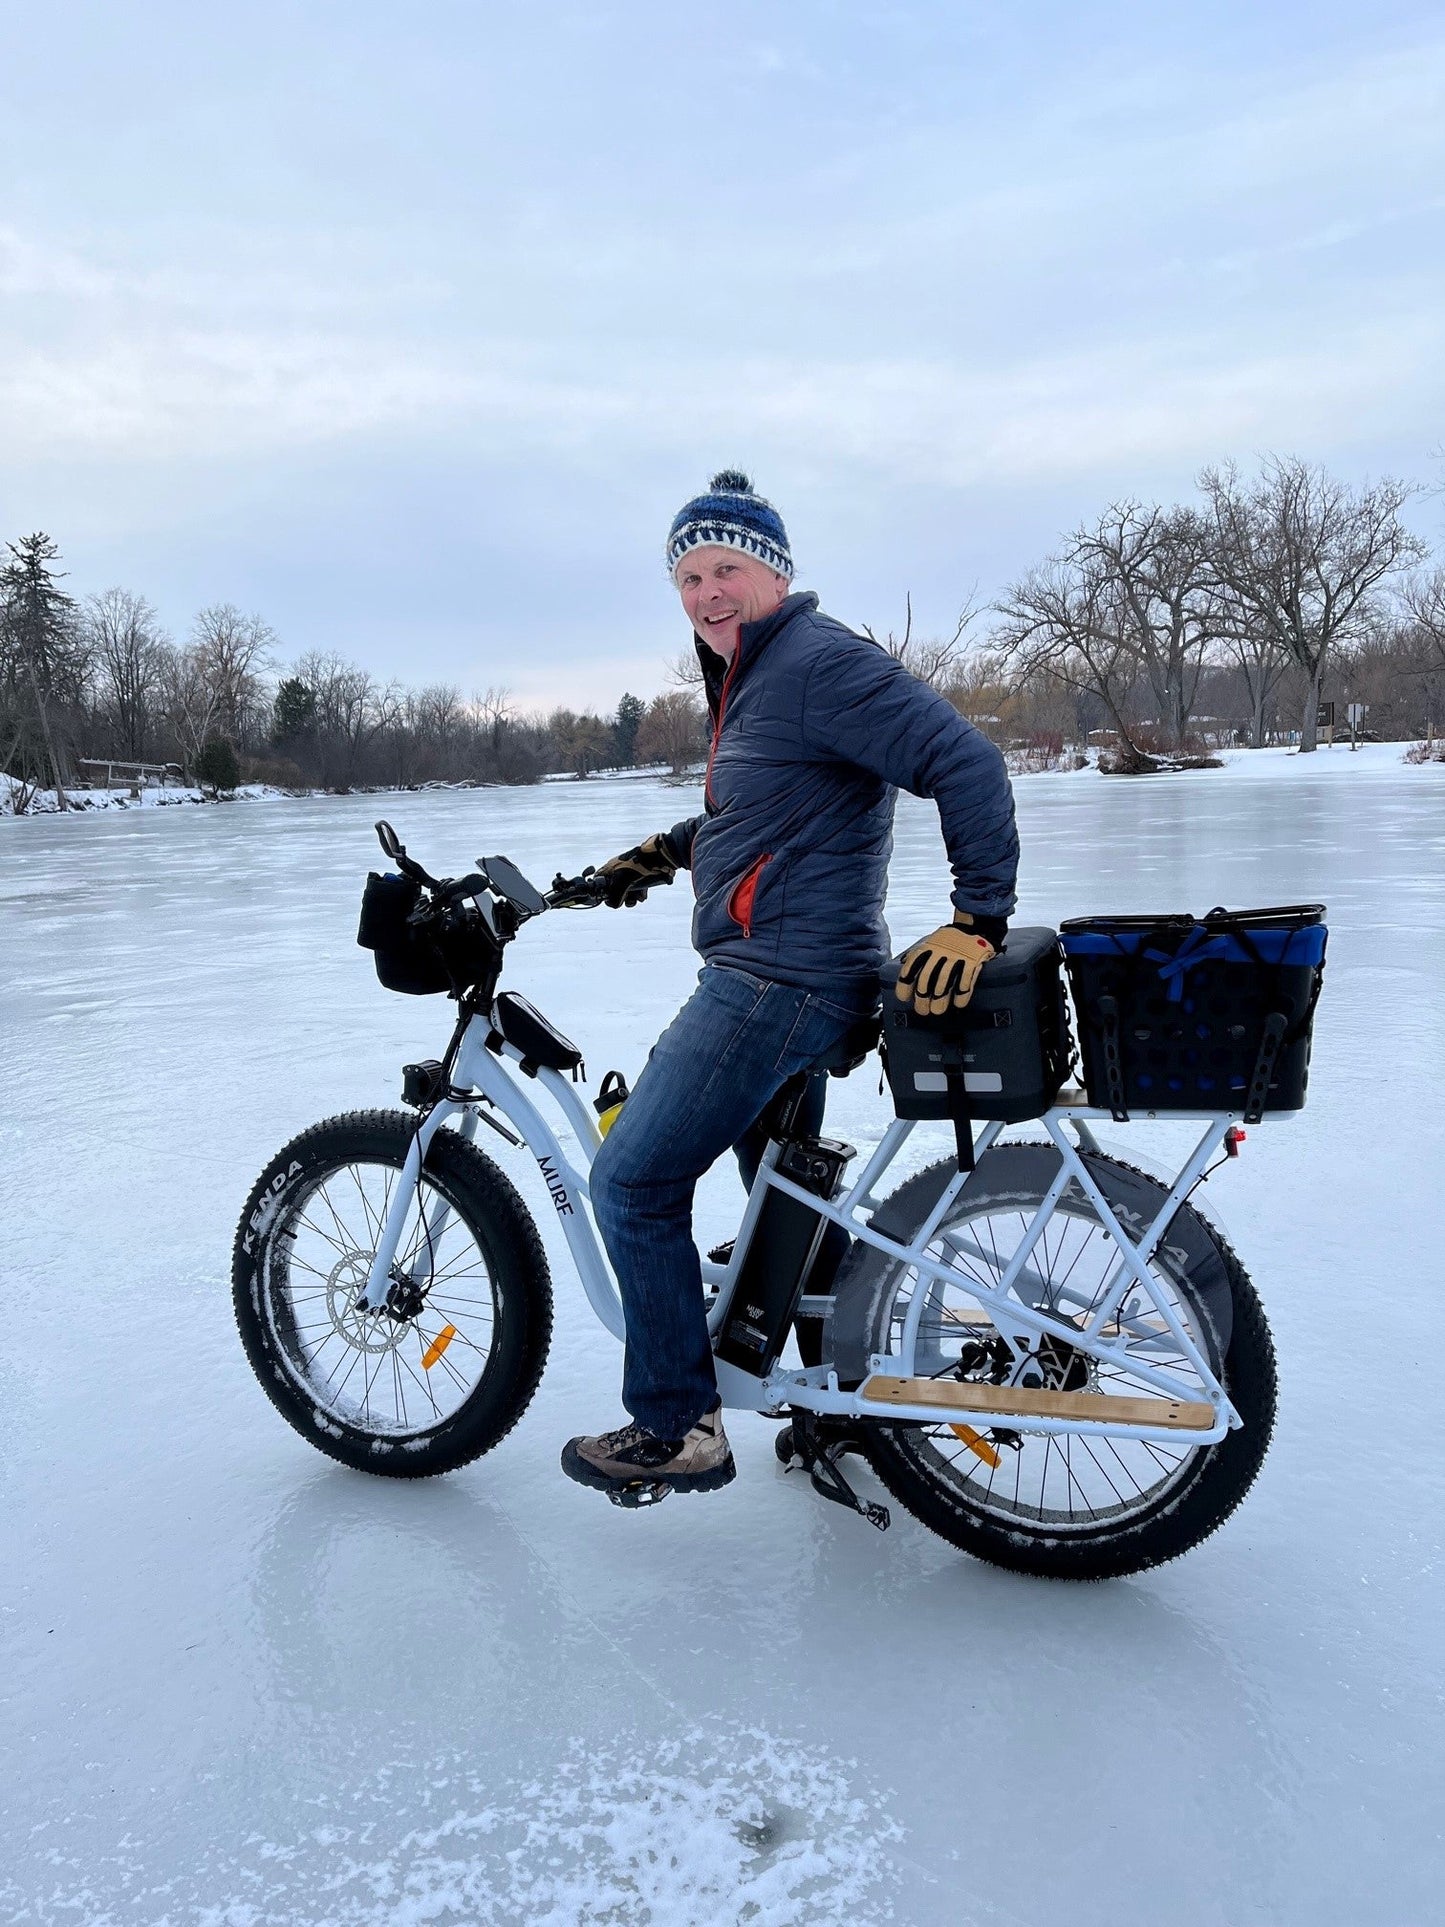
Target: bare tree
[[933, 659], [685, 669], [1298, 556], [1061, 623], [1256, 651], [581, 743], [350, 711], [674, 731], [439, 714], [1424, 603], [215, 686], [235, 650], [1421, 638], [1154, 563], [129, 655]]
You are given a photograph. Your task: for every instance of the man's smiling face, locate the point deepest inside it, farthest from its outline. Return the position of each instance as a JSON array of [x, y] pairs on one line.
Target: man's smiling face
[[721, 590]]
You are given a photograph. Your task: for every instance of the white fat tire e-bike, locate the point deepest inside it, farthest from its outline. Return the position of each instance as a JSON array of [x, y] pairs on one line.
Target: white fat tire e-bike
[[395, 1300]]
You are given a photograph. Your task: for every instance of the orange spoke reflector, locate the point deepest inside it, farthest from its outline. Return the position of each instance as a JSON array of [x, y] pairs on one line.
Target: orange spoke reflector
[[438, 1345], [975, 1441]]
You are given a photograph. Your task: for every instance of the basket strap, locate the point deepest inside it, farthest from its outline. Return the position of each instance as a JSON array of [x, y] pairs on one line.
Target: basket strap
[[1113, 1060], [959, 1112], [1275, 1026]]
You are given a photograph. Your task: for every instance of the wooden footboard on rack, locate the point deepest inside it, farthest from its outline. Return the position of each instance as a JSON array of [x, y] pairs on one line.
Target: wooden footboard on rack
[[1022, 1401]]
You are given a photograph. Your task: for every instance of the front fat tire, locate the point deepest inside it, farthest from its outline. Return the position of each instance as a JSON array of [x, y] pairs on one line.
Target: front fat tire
[[485, 1198]]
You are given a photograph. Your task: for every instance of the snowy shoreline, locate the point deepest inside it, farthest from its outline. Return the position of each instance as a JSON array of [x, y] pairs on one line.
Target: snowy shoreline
[[1277, 764], [154, 796], [1274, 764]]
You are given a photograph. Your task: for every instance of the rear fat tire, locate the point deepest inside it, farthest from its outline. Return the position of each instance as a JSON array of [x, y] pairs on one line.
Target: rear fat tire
[[1218, 1480], [482, 1195]]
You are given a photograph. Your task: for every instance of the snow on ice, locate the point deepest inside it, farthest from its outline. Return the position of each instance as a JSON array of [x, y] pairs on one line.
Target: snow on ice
[[242, 1685]]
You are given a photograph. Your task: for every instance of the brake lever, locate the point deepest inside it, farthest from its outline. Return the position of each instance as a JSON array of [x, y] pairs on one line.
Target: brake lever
[[587, 892]]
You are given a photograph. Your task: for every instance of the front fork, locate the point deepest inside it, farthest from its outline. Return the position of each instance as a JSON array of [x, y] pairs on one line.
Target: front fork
[[381, 1277]]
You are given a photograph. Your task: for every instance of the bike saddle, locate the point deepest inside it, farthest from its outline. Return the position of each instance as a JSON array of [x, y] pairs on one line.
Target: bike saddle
[[852, 1047]]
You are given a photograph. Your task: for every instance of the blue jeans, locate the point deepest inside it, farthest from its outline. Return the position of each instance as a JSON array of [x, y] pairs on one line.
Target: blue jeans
[[727, 1053]]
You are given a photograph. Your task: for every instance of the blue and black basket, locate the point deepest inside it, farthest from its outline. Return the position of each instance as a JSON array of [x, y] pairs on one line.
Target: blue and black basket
[[1197, 1013]]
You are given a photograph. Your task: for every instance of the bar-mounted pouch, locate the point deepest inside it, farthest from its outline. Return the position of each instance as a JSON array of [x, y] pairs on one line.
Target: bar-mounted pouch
[[406, 959]]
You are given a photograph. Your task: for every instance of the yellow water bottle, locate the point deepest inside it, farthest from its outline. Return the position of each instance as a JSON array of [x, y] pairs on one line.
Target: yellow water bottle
[[609, 1100]]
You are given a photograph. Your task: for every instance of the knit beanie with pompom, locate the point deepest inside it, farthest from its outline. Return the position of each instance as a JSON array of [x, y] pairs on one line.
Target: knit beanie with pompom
[[731, 516]]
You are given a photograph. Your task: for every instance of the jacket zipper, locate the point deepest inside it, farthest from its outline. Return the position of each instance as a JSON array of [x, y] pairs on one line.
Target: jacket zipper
[[722, 703], [744, 893]]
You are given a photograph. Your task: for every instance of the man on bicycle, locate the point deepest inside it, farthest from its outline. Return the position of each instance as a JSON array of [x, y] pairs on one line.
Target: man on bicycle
[[814, 730]]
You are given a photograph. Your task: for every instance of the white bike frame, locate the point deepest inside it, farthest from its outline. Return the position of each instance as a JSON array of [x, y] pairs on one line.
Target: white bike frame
[[1202, 1412]]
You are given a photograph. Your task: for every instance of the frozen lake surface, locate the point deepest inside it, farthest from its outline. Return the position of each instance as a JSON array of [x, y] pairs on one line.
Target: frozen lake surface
[[243, 1685]]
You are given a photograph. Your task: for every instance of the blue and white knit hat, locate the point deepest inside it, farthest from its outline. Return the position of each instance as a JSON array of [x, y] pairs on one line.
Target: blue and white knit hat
[[731, 516]]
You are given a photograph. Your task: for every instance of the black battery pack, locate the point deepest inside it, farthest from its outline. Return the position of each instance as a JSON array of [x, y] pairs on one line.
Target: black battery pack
[[779, 1257]]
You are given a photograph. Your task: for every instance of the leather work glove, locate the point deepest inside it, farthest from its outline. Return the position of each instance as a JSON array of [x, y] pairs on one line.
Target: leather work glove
[[939, 973], [630, 876]]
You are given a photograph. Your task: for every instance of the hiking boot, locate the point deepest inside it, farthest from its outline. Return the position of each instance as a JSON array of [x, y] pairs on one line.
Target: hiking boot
[[634, 1467]]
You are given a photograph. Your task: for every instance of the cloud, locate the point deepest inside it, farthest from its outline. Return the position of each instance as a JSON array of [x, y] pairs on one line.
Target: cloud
[[926, 298], [921, 421]]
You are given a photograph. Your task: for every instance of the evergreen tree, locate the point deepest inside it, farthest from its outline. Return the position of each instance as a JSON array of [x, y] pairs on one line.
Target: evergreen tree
[[293, 713], [630, 712], [41, 657], [216, 766]]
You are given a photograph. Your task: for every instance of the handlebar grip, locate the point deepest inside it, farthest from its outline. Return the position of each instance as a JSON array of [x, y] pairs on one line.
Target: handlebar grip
[[452, 888], [586, 892]]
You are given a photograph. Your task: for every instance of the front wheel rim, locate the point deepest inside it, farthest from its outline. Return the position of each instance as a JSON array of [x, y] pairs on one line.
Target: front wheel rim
[[399, 1376]]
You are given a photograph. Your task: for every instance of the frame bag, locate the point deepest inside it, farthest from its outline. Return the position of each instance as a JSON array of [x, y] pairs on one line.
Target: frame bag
[[1182, 1013]]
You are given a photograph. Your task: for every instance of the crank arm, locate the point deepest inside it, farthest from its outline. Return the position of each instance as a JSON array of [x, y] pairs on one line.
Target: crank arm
[[828, 1479]]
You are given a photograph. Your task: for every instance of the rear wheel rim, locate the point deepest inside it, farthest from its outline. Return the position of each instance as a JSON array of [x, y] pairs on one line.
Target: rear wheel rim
[[1048, 1485], [398, 1376]]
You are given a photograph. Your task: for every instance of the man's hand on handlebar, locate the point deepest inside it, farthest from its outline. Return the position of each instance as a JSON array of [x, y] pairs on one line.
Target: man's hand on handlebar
[[620, 882]]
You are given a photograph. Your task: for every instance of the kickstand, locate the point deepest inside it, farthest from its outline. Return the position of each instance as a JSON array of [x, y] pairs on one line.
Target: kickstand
[[828, 1479]]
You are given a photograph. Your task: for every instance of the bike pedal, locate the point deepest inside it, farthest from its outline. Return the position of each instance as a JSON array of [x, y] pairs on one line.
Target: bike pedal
[[633, 1497]]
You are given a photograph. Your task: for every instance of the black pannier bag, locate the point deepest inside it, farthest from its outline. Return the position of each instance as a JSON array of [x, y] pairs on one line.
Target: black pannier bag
[[1003, 1056], [1185, 1013], [406, 959]]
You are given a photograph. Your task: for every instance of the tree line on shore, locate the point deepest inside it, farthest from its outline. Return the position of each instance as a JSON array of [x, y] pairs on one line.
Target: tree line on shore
[[1159, 632]]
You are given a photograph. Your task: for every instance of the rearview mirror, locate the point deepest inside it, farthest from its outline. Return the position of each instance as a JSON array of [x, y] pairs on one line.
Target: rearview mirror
[[389, 840]]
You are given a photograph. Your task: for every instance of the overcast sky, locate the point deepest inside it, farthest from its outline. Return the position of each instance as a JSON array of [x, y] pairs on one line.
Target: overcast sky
[[411, 327]]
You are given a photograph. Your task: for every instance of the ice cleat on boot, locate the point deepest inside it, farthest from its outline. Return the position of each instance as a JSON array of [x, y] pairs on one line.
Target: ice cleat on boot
[[636, 1468]]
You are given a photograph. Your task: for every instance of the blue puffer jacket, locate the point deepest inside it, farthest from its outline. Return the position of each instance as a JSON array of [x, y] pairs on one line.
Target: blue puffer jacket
[[814, 729]]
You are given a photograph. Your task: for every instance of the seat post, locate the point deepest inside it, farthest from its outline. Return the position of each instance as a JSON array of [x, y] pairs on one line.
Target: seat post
[[786, 1106]]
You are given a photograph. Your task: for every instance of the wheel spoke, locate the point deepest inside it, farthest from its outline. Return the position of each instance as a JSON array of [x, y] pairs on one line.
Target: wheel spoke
[[1059, 1482], [360, 1367]]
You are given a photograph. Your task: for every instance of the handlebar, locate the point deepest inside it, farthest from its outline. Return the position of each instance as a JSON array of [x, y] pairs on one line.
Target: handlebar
[[586, 892], [496, 881]]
